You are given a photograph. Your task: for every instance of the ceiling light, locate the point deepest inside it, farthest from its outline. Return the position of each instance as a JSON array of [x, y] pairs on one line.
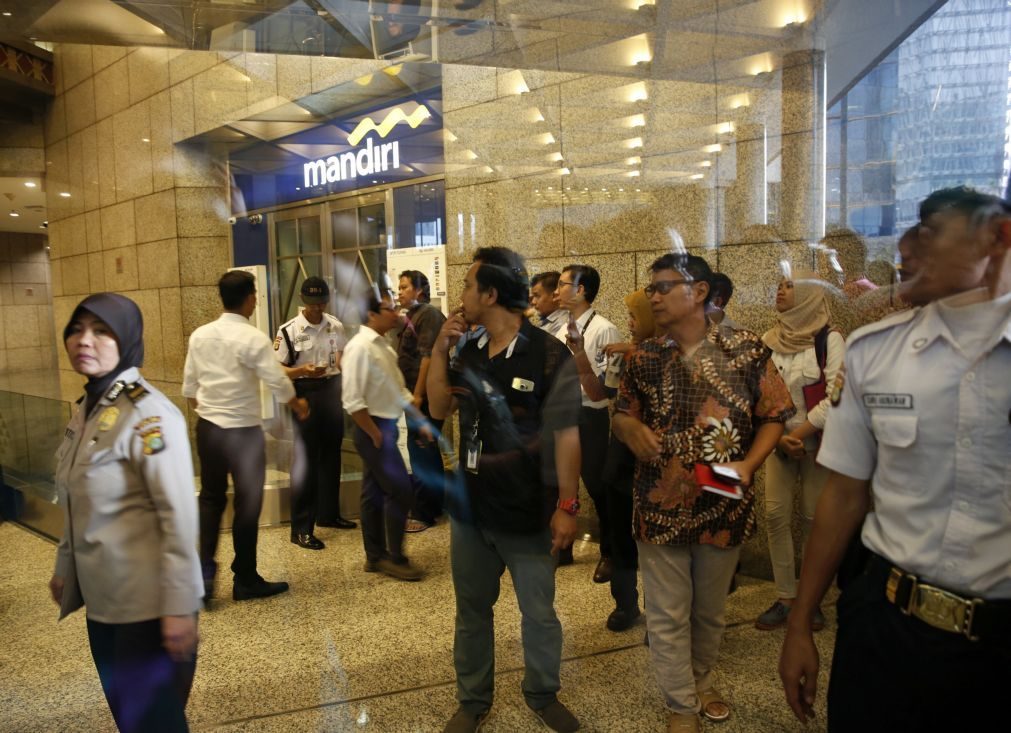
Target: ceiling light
[[712, 148], [145, 139], [632, 174], [547, 138], [7, 14], [724, 127], [639, 93], [564, 172], [706, 164], [449, 136], [535, 115], [65, 194], [637, 121], [15, 214], [557, 157], [697, 176], [30, 184], [634, 160], [470, 154], [635, 142]]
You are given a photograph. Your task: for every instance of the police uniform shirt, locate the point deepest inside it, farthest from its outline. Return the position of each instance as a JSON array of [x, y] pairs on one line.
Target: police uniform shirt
[[930, 427], [597, 332], [125, 481], [372, 380], [225, 362], [312, 343]]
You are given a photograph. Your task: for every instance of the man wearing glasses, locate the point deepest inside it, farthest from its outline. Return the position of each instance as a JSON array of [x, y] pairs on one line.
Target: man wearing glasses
[[699, 394], [375, 396], [587, 334]]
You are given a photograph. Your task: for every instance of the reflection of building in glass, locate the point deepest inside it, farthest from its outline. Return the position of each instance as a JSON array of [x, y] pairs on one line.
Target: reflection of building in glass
[[932, 114]]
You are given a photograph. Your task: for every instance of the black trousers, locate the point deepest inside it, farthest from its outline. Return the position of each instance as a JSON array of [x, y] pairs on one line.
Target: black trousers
[[241, 453], [316, 468], [427, 474], [387, 494], [594, 434], [894, 672], [147, 691]]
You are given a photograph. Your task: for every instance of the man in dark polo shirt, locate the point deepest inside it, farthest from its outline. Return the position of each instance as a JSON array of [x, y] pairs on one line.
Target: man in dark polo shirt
[[422, 322], [518, 395]]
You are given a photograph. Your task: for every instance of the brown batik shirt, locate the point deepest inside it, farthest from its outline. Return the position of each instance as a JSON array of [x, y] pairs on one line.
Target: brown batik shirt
[[705, 408]]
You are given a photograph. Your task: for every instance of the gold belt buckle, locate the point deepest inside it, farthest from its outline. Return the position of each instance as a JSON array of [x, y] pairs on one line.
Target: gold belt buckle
[[944, 610]]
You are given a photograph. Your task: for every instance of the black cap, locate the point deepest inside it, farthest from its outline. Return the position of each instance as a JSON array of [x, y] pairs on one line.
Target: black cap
[[315, 291]]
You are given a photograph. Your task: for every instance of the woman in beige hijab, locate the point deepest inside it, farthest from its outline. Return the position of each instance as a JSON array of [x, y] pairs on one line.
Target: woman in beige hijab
[[803, 318]]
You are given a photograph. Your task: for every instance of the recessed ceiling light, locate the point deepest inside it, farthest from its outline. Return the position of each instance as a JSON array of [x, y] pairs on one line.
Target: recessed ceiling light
[[15, 214], [697, 176], [30, 184], [65, 194], [7, 14], [145, 139]]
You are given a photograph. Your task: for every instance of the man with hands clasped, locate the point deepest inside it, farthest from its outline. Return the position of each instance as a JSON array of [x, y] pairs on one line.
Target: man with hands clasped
[[518, 396]]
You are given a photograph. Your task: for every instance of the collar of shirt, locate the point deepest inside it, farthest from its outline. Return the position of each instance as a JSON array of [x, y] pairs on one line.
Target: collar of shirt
[[517, 342], [555, 316], [584, 319], [304, 325], [932, 326], [234, 317]]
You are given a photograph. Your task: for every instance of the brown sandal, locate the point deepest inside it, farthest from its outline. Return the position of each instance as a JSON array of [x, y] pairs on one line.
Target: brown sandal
[[684, 724], [714, 707]]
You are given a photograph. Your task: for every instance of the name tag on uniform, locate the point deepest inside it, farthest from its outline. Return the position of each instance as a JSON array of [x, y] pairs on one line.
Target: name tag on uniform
[[889, 401], [523, 385]]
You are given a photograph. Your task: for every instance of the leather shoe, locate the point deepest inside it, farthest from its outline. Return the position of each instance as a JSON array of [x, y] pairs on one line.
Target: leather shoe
[[565, 556], [339, 523], [257, 588], [308, 541], [619, 620], [604, 570]]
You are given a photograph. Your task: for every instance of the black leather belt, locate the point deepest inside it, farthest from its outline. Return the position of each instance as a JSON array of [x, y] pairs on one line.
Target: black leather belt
[[976, 619], [311, 383]]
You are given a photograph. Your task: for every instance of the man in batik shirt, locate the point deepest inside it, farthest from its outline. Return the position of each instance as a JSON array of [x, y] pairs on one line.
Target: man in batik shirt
[[699, 394]]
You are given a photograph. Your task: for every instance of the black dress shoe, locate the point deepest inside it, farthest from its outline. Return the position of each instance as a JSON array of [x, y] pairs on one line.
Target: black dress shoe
[[256, 588], [308, 541], [604, 570], [619, 620], [565, 556], [339, 523]]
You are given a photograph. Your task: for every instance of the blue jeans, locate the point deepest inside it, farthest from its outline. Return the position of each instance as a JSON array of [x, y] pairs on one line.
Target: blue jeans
[[479, 557]]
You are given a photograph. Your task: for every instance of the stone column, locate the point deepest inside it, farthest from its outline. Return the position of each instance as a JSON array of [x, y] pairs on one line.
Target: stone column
[[803, 109], [746, 199]]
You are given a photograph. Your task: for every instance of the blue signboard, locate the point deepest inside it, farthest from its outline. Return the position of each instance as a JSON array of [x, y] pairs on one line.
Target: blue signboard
[[395, 142]]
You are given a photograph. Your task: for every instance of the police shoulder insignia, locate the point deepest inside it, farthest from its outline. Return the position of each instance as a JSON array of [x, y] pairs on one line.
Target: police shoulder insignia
[[136, 392], [153, 441], [277, 343], [147, 422], [835, 393], [108, 419], [115, 391]]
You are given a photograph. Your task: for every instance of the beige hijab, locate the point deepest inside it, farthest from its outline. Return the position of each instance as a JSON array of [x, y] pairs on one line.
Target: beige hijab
[[796, 328], [639, 304]]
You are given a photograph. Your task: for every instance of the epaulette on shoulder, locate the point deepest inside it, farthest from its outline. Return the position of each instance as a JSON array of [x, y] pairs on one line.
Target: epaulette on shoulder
[[136, 392], [889, 321]]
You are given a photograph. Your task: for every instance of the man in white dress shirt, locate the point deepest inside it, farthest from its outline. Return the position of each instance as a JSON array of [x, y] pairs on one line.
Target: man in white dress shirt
[[375, 396], [225, 362], [549, 317], [587, 333], [922, 424]]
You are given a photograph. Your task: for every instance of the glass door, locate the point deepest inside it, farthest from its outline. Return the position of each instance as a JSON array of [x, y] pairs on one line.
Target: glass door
[[298, 254], [359, 239]]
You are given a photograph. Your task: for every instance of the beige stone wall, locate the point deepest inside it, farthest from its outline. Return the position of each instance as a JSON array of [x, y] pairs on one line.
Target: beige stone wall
[[26, 315]]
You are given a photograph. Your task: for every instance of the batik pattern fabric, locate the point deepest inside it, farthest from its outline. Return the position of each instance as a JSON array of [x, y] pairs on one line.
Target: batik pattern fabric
[[705, 408]]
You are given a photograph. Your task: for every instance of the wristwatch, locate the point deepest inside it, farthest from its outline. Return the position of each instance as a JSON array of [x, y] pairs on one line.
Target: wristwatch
[[569, 506]]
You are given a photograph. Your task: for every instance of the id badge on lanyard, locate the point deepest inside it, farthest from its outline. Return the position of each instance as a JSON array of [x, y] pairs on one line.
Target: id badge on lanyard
[[473, 457]]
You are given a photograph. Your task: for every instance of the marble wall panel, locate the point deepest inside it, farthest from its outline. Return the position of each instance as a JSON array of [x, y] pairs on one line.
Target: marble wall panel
[[30, 273], [294, 76], [203, 260], [149, 72], [36, 293], [93, 230], [171, 325], [80, 102], [200, 304], [132, 137], [89, 168], [63, 308], [193, 166], [96, 272], [155, 216], [112, 89], [103, 56], [161, 141], [261, 68], [25, 358], [21, 326], [328, 72], [106, 162], [464, 86], [121, 269], [57, 181], [75, 173], [54, 122], [183, 115], [154, 349], [71, 384], [72, 235], [73, 63], [184, 64], [201, 212], [158, 264], [220, 96], [56, 281], [118, 225]]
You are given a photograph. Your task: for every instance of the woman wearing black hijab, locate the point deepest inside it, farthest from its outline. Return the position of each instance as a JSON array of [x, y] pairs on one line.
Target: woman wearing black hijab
[[128, 553]]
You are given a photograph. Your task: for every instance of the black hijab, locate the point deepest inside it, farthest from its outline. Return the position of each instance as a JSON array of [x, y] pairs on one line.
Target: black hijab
[[123, 317]]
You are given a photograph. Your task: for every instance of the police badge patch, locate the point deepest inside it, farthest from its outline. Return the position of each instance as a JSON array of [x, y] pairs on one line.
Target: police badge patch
[[277, 343], [153, 441], [835, 393]]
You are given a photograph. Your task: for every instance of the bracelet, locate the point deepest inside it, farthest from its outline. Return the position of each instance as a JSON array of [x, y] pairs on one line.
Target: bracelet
[[569, 506]]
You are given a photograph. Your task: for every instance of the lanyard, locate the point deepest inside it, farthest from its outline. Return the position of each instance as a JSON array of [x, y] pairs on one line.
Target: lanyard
[[587, 324]]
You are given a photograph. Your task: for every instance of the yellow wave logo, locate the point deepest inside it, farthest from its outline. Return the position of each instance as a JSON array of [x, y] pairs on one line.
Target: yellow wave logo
[[394, 118]]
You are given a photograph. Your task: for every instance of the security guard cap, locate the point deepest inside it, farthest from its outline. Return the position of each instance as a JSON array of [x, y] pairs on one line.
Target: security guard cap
[[315, 291]]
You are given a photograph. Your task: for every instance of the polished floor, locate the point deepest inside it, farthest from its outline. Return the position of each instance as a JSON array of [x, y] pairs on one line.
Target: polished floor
[[345, 650]]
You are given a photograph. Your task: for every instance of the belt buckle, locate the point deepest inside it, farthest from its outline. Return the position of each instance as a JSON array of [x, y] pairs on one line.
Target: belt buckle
[[895, 577], [944, 610]]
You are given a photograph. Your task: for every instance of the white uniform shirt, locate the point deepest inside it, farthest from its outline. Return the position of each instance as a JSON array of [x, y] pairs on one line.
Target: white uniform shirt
[[225, 361], [801, 369], [313, 343], [597, 332], [555, 323], [931, 429], [372, 380]]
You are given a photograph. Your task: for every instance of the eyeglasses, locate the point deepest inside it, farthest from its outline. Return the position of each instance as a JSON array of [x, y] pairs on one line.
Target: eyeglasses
[[664, 286], [564, 282]]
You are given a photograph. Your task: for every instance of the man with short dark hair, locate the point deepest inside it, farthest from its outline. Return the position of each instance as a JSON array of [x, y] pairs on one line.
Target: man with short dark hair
[[421, 325], [542, 299], [587, 334], [375, 396], [699, 394], [309, 348], [721, 289], [225, 362], [519, 456], [920, 433]]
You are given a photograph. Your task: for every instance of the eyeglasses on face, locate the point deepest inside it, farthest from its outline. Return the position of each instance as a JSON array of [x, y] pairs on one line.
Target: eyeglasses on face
[[564, 282], [664, 286]]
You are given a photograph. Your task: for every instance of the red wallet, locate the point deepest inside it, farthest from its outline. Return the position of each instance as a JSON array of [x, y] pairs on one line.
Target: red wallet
[[709, 481]]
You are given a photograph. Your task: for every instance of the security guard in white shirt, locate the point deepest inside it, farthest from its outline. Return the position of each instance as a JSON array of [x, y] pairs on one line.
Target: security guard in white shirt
[[922, 423], [309, 347]]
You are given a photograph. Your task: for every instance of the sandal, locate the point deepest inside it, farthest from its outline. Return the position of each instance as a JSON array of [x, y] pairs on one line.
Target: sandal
[[684, 724], [714, 707]]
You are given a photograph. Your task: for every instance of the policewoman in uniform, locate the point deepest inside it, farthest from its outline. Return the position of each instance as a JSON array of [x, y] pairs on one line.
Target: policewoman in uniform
[[128, 553], [922, 423], [309, 347]]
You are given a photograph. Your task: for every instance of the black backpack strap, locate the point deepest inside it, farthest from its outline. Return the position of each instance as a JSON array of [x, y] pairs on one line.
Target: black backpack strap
[[290, 361], [821, 348]]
